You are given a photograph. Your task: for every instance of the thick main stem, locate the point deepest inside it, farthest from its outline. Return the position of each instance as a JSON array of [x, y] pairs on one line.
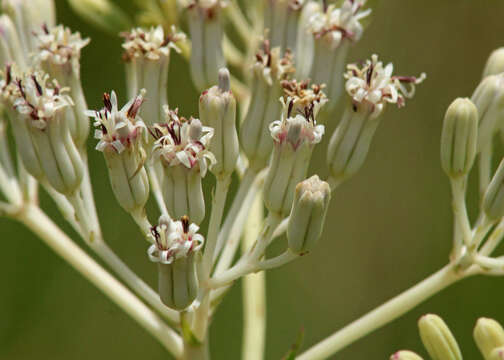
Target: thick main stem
[[385, 313], [38, 222]]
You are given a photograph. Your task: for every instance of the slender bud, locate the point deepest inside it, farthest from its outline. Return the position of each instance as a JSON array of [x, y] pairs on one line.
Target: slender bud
[[493, 200], [269, 71], [334, 30], [488, 335], [305, 40], [102, 13], [182, 148], [459, 137], [496, 354], [489, 99], [176, 246], [438, 339], [121, 134], [495, 63], [217, 108], [370, 88], [147, 58], [205, 28], [405, 355], [58, 52], [10, 45], [307, 217], [294, 137], [281, 20]]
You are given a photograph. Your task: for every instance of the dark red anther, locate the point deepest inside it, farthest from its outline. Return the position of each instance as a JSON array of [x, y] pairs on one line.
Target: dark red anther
[[133, 110], [8, 74], [45, 29], [185, 223], [369, 74], [289, 110], [106, 102], [37, 85]]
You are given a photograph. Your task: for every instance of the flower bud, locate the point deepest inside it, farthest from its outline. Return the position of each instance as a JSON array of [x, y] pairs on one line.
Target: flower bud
[[370, 88], [269, 70], [438, 339], [496, 354], [307, 217], [182, 148], [495, 63], [102, 13], [489, 99], [281, 19], [217, 108], [176, 245], [294, 137], [147, 57], [493, 200], [121, 134], [405, 355], [206, 32], [459, 137], [10, 46], [305, 41], [488, 335]]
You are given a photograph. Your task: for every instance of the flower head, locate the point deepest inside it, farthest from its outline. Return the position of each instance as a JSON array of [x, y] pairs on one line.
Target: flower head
[[117, 129], [58, 45], [271, 65], [181, 141], [174, 240], [335, 24], [32, 94], [151, 44], [375, 85]]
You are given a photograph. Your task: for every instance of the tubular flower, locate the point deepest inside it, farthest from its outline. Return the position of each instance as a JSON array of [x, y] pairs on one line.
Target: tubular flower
[[281, 21]]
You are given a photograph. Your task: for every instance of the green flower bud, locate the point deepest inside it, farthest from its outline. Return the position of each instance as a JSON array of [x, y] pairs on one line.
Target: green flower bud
[[438, 339], [493, 200], [307, 217], [405, 355], [217, 108], [495, 63], [102, 13], [459, 137], [205, 28], [10, 46], [488, 335], [176, 247]]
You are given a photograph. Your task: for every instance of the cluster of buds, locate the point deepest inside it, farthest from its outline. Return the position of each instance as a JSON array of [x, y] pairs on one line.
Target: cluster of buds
[[182, 148], [121, 134], [36, 108], [281, 20], [294, 137], [175, 249], [147, 58], [370, 88], [205, 28], [269, 71]]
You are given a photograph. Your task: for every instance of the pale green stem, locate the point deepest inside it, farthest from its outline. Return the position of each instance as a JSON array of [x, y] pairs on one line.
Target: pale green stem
[[156, 190], [386, 313], [65, 207], [42, 226], [143, 223], [88, 197], [239, 21], [458, 186], [254, 292], [232, 53], [493, 240], [82, 217], [485, 168]]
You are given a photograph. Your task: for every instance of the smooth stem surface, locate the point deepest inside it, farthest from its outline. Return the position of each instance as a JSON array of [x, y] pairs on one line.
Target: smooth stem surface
[[38, 222], [385, 313], [156, 189], [242, 26], [458, 186], [485, 168], [254, 292], [493, 240]]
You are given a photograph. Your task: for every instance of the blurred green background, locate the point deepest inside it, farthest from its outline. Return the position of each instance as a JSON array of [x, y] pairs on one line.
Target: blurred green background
[[387, 228]]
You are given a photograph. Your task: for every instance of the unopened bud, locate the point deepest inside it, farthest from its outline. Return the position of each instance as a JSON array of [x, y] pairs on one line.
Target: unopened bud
[[405, 355], [217, 108], [493, 200], [496, 354], [438, 339], [488, 335], [205, 28], [281, 19], [307, 217], [305, 41], [10, 46], [102, 13], [459, 137], [176, 246], [495, 63]]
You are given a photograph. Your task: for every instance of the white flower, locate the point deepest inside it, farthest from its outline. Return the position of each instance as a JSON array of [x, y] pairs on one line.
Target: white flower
[[182, 141], [118, 129], [374, 84], [271, 65], [174, 240], [335, 24], [151, 44]]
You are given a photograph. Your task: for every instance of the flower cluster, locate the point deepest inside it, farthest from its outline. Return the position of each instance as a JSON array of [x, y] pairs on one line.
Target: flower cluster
[[183, 141], [335, 24], [374, 84], [117, 129], [151, 44], [271, 65], [174, 240]]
